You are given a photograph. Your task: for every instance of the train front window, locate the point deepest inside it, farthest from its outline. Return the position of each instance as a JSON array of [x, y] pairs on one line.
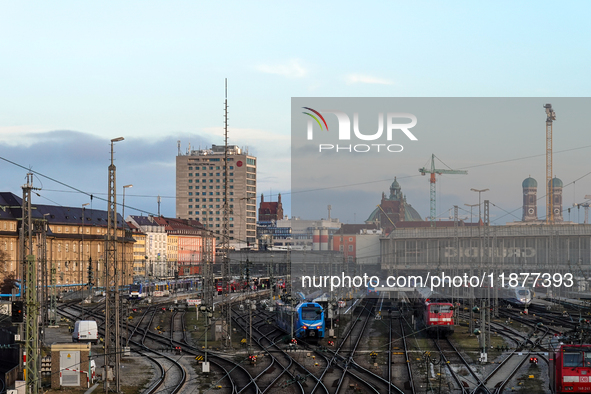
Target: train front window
[[440, 309], [311, 313], [522, 292], [572, 359]]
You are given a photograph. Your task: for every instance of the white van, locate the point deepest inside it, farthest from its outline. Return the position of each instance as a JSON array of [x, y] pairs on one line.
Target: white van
[[85, 331]]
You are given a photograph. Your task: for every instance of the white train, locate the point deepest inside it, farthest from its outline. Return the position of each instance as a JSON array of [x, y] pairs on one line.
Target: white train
[[516, 296]]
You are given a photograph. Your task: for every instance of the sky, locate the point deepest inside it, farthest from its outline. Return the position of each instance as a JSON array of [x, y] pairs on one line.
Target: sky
[[74, 75]]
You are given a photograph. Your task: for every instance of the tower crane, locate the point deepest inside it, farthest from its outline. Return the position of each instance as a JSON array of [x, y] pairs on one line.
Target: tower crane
[[432, 181], [550, 117]]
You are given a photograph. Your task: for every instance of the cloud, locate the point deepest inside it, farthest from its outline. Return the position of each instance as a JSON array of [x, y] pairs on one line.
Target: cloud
[[292, 69], [81, 160], [360, 78]]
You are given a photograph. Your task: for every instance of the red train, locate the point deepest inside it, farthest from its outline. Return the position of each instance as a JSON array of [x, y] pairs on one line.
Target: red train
[[434, 311], [571, 369]]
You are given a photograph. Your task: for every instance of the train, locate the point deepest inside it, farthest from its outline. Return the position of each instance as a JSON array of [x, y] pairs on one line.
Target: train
[[516, 296], [139, 290], [570, 369], [434, 311], [308, 320]]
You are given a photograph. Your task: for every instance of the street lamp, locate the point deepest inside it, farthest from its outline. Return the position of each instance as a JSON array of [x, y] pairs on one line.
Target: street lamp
[[479, 191]]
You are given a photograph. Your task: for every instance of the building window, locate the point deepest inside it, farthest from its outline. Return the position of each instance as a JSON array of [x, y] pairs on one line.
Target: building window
[[190, 187], [350, 239], [341, 248], [190, 212], [190, 193], [190, 200], [190, 174], [350, 248]]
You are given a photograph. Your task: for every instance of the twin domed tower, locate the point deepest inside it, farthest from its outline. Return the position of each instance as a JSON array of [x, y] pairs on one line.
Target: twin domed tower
[[530, 210]]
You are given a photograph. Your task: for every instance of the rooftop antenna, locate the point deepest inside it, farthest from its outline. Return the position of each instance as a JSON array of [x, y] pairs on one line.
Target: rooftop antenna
[[225, 241], [178, 143], [329, 208], [158, 199]]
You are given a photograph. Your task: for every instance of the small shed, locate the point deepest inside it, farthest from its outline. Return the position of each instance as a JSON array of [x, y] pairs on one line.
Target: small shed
[[70, 365]]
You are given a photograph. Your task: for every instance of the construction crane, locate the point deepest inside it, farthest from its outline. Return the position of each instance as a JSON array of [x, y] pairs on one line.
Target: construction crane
[[550, 117], [432, 180]]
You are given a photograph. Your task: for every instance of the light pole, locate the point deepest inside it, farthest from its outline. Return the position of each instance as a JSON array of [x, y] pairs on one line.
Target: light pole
[[471, 323], [479, 191], [112, 339]]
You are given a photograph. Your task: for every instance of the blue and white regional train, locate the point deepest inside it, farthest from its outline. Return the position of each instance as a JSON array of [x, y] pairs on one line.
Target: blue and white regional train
[[308, 320]]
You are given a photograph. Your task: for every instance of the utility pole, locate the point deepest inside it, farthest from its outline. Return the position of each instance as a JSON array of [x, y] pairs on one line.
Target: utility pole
[[40, 231], [32, 351], [112, 339]]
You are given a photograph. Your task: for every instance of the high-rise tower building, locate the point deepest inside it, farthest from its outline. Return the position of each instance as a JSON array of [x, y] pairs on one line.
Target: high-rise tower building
[[200, 192]]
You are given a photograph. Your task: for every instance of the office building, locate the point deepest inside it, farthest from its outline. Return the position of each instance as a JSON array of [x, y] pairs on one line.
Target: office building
[[200, 192]]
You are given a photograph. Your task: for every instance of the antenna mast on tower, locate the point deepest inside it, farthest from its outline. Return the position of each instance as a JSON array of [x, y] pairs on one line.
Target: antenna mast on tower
[[225, 245]]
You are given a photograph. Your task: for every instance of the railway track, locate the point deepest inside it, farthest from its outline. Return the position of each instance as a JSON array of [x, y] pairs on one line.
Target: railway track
[[172, 375], [236, 377], [270, 377]]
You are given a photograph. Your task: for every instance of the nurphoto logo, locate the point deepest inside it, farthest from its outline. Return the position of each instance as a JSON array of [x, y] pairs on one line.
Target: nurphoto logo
[[344, 133]]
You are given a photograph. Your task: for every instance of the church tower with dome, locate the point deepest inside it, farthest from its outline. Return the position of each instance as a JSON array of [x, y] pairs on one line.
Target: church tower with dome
[[557, 199], [530, 200], [393, 209]]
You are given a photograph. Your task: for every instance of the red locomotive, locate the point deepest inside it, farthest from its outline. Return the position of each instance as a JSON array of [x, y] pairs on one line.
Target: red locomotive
[[571, 369], [434, 311]]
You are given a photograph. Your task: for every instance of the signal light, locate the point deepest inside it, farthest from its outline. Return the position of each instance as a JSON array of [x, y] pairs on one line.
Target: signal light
[[17, 312], [533, 360], [476, 309], [476, 332]]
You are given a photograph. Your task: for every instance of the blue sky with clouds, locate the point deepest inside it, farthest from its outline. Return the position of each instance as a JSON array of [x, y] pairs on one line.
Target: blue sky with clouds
[[76, 74]]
